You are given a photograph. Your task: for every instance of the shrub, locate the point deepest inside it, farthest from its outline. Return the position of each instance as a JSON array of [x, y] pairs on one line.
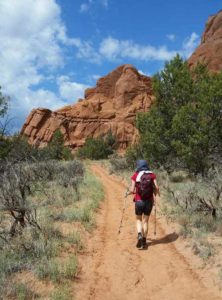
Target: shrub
[[55, 271], [70, 174], [133, 153], [61, 293], [56, 149], [74, 238], [206, 250], [178, 176], [19, 291], [48, 269], [118, 164], [95, 148]]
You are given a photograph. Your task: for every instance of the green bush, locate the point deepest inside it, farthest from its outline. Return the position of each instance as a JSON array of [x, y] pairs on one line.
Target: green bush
[[95, 148], [133, 153], [118, 164], [56, 149]]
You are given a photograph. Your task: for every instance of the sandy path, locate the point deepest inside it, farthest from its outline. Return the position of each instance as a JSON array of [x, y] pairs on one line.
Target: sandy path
[[113, 268]]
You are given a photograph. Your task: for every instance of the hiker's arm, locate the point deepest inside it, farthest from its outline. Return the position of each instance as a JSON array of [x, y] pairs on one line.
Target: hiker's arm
[[132, 189], [156, 190]]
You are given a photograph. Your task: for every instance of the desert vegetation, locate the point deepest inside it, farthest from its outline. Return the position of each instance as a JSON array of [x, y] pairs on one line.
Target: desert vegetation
[[41, 189], [34, 199], [98, 148]]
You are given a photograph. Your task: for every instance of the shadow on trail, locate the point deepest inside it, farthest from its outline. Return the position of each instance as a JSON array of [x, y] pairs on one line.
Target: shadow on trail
[[169, 238]]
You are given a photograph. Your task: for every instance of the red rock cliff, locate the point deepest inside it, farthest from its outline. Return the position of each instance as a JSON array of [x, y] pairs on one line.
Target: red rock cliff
[[111, 105], [210, 49]]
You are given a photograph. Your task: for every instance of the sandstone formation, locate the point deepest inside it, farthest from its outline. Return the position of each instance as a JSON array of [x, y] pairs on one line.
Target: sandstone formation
[[210, 49], [111, 105]]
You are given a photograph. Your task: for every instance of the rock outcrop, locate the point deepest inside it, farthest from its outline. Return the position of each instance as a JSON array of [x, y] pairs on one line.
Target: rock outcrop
[[210, 49], [111, 105]]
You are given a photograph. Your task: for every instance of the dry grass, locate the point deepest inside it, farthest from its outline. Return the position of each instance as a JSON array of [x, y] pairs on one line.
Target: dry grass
[[41, 250]]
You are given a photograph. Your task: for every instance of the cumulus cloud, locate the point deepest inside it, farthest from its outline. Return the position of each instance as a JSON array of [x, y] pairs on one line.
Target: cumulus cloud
[[32, 36], [70, 90], [112, 49]]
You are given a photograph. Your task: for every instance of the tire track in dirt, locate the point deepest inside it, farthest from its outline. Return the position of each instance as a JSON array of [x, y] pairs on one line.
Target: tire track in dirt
[[114, 269]]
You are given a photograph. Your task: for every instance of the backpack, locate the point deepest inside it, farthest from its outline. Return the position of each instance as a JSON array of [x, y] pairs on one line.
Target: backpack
[[145, 185]]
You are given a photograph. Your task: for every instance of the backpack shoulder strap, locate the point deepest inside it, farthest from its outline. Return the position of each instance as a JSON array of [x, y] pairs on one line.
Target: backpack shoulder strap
[[140, 174]]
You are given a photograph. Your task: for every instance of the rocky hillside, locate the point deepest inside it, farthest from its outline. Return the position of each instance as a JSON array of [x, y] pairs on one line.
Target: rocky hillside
[[210, 49], [111, 105]]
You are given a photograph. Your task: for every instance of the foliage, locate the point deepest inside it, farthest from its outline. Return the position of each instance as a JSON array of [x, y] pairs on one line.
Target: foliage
[[196, 203], [133, 153], [97, 148], [56, 148], [183, 126], [16, 148], [119, 164]]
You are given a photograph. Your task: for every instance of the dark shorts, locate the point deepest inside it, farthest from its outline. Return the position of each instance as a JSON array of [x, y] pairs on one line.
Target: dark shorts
[[143, 207]]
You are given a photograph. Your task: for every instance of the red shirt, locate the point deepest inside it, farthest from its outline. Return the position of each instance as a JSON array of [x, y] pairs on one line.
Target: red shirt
[[137, 196]]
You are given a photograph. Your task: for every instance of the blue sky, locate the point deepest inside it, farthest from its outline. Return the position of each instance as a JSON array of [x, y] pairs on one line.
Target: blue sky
[[51, 50]]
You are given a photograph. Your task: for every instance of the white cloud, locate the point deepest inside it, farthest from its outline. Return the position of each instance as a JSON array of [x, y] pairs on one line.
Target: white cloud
[[32, 36], [86, 6], [86, 50], [144, 73], [69, 90], [114, 49], [190, 44], [171, 37]]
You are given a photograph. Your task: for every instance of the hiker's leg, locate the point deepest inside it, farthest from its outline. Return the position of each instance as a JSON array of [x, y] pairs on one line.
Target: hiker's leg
[[139, 223], [139, 230], [147, 211], [138, 213], [145, 225]]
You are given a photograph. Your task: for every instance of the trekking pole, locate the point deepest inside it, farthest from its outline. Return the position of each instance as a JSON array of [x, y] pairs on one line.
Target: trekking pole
[[123, 211], [155, 219]]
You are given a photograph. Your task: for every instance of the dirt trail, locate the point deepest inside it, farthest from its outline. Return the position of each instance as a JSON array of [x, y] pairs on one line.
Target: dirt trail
[[113, 268]]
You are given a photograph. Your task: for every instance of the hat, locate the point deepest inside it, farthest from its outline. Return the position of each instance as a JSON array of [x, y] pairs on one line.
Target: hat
[[141, 165]]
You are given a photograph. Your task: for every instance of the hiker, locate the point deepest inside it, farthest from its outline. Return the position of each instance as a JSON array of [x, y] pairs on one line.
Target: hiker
[[144, 187]]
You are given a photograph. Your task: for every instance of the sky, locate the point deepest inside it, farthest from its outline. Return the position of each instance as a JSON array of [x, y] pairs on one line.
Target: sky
[[52, 50]]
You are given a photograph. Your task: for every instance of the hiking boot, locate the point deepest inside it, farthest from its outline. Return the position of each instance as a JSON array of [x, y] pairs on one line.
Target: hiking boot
[[139, 241], [144, 243]]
